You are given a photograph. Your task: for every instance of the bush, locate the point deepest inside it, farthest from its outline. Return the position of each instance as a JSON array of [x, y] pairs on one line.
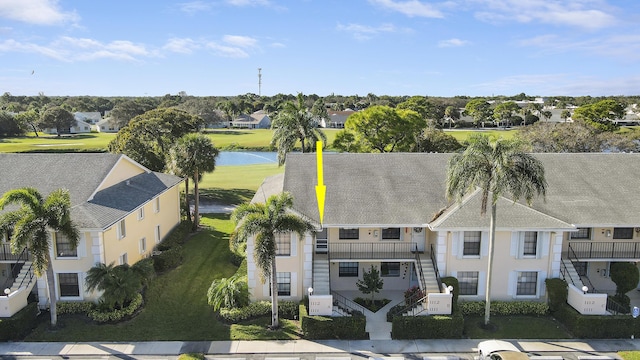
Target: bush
[[288, 310], [412, 294], [452, 281], [558, 292], [504, 308], [74, 307], [236, 259], [597, 326], [117, 315], [177, 237], [428, 327], [168, 259], [19, 324], [326, 327], [252, 311]]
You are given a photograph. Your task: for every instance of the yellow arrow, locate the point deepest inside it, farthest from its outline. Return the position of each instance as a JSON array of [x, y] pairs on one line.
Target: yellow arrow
[[321, 190]]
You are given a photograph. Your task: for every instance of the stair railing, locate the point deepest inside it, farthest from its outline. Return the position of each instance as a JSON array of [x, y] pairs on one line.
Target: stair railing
[[435, 266], [346, 305], [423, 281], [15, 269], [29, 277], [414, 301]]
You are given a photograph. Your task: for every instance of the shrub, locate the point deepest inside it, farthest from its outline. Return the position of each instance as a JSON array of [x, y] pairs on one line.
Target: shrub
[[412, 294], [428, 327], [117, 315], [326, 327], [177, 237], [288, 310], [504, 308], [597, 326], [230, 292], [558, 292], [251, 311], [452, 281], [74, 307], [19, 324], [168, 259]]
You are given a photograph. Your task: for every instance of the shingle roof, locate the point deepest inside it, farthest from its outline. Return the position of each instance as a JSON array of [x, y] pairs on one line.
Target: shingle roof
[[82, 174], [409, 189]]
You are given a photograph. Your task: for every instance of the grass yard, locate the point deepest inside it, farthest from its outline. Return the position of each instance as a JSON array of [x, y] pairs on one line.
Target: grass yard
[[252, 139], [515, 327], [462, 135], [176, 303], [93, 142], [235, 184], [630, 355]]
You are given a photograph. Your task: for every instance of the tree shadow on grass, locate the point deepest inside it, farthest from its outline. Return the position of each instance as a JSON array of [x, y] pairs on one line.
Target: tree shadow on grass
[[226, 196]]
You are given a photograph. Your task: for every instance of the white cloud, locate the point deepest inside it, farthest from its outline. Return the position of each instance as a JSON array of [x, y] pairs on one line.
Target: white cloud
[[587, 14], [183, 46], [249, 2], [365, 32], [277, 45], [624, 48], [240, 41], [39, 12], [452, 43], [411, 8], [227, 51], [194, 7]]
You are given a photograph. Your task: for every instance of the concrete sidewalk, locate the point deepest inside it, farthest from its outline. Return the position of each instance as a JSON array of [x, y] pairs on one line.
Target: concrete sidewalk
[[365, 347]]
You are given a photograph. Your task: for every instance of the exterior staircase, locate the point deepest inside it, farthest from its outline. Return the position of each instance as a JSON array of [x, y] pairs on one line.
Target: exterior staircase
[[570, 274], [24, 278], [321, 275], [429, 274]]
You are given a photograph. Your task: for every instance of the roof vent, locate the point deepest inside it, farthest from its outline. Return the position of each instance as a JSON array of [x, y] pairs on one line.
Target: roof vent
[[128, 182]]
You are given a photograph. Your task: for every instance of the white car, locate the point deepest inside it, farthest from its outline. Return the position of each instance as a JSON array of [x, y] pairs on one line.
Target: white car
[[499, 350]]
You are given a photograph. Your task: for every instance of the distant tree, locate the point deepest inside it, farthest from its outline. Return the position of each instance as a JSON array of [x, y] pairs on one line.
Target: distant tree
[[126, 110], [371, 282], [148, 137], [601, 114], [436, 140], [193, 155], [57, 118], [28, 120], [8, 125], [505, 111], [547, 114], [451, 114], [479, 110], [384, 129], [565, 114], [206, 108], [319, 111], [345, 141], [292, 124]]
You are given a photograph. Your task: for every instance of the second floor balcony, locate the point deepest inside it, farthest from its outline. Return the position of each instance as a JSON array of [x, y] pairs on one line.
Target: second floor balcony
[[372, 250], [608, 251]]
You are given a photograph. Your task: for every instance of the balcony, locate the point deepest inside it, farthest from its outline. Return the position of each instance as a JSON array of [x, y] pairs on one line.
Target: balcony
[[5, 253], [609, 251], [372, 251]]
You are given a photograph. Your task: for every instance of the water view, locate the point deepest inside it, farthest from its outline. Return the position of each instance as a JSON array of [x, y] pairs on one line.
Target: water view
[[246, 158]]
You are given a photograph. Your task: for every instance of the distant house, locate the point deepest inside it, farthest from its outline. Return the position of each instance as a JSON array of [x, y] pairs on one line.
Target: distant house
[[106, 125], [257, 120], [121, 208], [337, 119], [81, 127]]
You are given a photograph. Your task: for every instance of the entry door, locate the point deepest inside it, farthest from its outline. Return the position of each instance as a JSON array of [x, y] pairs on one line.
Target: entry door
[[417, 237]]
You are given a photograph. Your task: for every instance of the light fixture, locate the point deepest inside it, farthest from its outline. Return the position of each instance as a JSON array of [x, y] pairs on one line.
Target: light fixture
[[310, 290], [7, 291], [450, 288], [585, 289], [607, 233]]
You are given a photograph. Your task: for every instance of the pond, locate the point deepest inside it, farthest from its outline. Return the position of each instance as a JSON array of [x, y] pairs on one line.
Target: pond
[[246, 158]]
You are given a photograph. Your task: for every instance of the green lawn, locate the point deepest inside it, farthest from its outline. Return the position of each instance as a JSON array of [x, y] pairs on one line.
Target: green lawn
[[252, 139], [462, 135], [630, 355], [515, 327], [235, 184], [93, 142]]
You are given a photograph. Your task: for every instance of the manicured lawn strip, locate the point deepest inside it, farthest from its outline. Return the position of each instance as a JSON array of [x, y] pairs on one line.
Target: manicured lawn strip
[[515, 327], [176, 304], [234, 184], [92, 142], [256, 138], [630, 355], [257, 330], [462, 135]]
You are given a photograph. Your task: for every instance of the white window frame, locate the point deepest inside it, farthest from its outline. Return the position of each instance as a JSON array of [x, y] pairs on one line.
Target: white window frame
[[57, 253], [141, 213], [158, 234], [143, 245], [156, 205], [537, 284], [80, 289], [123, 259], [121, 228], [472, 256]]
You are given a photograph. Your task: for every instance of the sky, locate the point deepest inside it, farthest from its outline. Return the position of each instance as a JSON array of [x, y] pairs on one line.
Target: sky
[[343, 47]]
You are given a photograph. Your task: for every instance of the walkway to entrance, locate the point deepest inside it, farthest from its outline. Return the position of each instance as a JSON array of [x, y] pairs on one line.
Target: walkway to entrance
[[377, 325]]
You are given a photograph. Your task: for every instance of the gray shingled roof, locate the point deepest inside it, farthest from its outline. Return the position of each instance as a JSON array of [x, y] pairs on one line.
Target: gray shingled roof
[[409, 189], [82, 174]]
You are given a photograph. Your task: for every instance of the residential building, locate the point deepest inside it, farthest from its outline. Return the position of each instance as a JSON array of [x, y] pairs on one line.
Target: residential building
[[121, 208], [391, 211], [256, 120]]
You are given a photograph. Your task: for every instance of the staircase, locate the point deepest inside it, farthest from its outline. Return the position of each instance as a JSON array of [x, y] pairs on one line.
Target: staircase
[[570, 274], [429, 274], [321, 275], [24, 278]]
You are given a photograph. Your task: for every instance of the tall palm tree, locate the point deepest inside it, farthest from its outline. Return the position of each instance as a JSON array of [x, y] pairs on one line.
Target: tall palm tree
[[496, 167], [192, 156], [263, 222], [31, 224], [295, 122]]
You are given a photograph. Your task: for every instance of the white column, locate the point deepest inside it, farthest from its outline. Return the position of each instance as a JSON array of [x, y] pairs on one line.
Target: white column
[[441, 252]]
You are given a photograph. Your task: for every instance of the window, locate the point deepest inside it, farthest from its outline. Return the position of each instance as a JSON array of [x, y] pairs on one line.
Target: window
[[284, 283], [623, 233], [63, 246], [530, 244], [283, 244], [349, 234], [69, 285], [527, 283], [122, 230], [390, 233], [582, 233], [348, 269], [156, 205], [471, 245], [123, 259], [141, 213], [143, 245], [390, 269], [468, 282], [157, 234]]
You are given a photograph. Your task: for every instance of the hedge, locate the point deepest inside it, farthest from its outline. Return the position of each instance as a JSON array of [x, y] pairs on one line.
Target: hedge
[[326, 327], [168, 259], [286, 310], [597, 326], [176, 237], [428, 327], [19, 324], [74, 307], [117, 315], [505, 308]]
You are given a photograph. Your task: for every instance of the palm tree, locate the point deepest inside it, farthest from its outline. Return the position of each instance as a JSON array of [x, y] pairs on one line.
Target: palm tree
[[119, 283], [31, 225], [264, 222], [496, 167], [230, 292], [294, 122], [192, 156]]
